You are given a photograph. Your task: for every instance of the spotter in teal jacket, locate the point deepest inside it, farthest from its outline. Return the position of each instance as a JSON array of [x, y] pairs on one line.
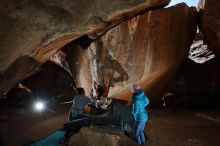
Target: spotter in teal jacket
[[139, 102]]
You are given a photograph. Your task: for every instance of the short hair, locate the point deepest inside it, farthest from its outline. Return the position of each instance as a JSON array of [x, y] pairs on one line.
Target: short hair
[[135, 88], [80, 90]]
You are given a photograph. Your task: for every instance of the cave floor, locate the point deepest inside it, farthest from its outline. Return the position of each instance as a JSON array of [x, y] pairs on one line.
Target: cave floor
[[178, 127], [23, 125], [166, 127]]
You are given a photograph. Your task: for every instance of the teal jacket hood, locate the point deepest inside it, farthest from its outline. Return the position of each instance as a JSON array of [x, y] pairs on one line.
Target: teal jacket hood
[[139, 95]]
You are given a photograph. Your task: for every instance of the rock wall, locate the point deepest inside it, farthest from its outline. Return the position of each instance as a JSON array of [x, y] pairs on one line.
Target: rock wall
[[51, 83], [209, 23], [147, 49], [201, 69], [78, 60], [203, 78], [23, 67], [39, 28]]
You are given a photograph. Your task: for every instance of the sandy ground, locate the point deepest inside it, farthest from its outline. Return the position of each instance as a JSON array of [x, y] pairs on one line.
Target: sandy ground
[[166, 127], [173, 127], [23, 125]]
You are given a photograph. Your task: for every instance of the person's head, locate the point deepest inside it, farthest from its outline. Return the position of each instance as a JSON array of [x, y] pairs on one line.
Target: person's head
[[80, 90], [135, 88]]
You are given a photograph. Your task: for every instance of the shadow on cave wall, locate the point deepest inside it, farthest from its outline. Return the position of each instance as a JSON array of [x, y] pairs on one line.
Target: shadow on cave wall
[[106, 67], [196, 86], [117, 73]]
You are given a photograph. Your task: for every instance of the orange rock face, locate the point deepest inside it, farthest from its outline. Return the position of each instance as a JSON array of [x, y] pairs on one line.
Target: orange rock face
[[209, 14], [147, 49], [38, 28]]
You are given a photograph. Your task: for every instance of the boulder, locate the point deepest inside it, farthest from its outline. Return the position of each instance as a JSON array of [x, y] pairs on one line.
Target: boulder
[[200, 72], [209, 23], [203, 79], [39, 28], [100, 135], [147, 49]]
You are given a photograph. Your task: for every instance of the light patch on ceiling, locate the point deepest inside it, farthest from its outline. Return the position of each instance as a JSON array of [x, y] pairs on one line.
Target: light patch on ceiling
[[199, 52]]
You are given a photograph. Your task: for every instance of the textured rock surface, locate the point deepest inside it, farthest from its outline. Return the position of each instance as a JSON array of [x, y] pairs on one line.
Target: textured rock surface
[[98, 136], [197, 81], [200, 53], [210, 25], [78, 60], [147, 49], [160, 51], [23, 67], [38, 28], [203, 78], [51, 83], [201, 74]]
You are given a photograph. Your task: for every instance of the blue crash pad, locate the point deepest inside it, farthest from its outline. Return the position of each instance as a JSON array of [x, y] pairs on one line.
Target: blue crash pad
[[51, 140]]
